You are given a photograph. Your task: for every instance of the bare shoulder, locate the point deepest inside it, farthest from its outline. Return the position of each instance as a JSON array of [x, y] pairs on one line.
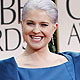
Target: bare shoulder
[[60, 59]]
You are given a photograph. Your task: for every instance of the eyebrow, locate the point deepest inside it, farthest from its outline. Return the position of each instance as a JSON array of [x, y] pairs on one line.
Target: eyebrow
[[30, 20], [40, 22], [45, 22]]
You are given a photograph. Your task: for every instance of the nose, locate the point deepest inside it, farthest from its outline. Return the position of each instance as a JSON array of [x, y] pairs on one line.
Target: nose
[[36, 29]]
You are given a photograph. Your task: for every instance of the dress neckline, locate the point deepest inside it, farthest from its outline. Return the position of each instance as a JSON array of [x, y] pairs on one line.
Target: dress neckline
[[68, 57]]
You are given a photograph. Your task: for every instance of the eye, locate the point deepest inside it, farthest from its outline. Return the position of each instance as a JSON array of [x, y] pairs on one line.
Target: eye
[[44, 24], [29, 23]]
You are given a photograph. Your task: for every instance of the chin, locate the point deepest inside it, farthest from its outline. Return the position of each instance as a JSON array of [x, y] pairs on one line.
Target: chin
[[36, 47]]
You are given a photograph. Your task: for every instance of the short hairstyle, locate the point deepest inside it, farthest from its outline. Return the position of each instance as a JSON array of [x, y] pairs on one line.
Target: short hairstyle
[[46, 5]]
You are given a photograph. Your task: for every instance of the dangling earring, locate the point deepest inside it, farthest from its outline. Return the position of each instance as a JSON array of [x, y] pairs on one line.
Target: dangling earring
[[52, 40]]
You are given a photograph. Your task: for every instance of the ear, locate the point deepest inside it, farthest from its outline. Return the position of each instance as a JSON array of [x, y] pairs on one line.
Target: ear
[[55, 27], [21, 23]]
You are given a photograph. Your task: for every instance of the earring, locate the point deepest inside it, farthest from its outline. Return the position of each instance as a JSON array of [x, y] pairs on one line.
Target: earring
[[52, 40]]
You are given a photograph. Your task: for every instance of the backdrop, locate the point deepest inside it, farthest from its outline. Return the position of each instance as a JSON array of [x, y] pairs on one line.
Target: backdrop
[[11, 41], [69, 25]]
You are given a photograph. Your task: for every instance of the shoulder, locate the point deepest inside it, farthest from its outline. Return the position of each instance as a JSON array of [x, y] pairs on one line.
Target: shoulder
[[8, 61], [72, 54], [7, 64], [7, 69], [76, 62]]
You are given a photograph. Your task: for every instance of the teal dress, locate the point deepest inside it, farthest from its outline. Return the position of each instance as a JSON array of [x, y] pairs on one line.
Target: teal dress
[[67, 71]]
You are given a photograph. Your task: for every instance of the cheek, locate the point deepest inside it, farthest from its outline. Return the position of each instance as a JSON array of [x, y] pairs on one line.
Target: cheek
[[48, 32], [26, 30]]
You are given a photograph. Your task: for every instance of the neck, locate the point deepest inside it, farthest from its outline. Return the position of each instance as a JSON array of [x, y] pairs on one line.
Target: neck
[[44, 52]]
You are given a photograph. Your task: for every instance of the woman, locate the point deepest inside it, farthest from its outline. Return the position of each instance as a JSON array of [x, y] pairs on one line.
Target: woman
[[37, 62]]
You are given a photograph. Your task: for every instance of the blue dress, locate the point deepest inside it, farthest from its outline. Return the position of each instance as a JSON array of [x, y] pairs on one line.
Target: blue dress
[[67, 71]]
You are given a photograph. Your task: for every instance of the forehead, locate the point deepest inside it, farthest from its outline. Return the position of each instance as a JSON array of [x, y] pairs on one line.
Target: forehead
[[38, 15]]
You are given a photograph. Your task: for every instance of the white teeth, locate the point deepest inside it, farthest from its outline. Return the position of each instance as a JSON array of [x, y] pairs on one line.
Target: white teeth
[[36, 38]]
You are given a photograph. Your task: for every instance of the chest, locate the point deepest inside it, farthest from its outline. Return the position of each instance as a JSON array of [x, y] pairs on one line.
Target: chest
[[61, 72]]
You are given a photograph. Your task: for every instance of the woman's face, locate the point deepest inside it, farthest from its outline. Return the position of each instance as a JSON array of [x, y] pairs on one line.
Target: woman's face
[[37, 29]]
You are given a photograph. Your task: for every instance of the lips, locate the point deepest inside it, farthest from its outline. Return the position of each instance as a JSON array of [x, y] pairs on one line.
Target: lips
[[36, 38]]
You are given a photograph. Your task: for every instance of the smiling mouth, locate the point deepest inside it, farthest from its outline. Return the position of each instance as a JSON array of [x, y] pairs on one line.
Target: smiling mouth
[[36, 38]]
